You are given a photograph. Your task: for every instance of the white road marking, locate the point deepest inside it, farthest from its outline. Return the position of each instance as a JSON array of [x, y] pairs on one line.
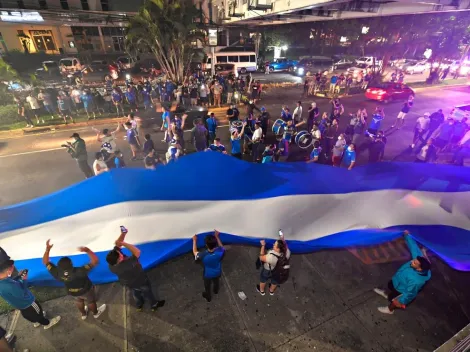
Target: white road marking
[[54, 149]]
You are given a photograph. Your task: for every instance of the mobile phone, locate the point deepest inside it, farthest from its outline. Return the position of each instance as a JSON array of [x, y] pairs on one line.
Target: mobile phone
[[123, 229], [281, 234], [22, 273]]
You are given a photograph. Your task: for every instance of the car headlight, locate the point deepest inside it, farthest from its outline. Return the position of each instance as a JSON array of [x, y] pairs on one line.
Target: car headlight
[[295, 67], [128, 76], [301, 70]]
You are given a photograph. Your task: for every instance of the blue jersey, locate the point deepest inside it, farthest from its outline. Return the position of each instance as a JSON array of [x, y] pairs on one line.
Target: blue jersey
[[211, 124], [315, 153], [165, 118], [217, 148], [349, 157], [87, 100], [212, 262], [116, 97], [130, 96], [131, 136], [268, 156], [236, 146], [288, 131], [376, 121]]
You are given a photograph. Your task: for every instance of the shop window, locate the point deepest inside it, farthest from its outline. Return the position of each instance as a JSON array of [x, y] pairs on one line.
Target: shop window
[[43, 40]]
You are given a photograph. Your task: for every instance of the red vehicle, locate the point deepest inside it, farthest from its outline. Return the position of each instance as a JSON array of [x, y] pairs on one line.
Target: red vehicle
[[387, 92]]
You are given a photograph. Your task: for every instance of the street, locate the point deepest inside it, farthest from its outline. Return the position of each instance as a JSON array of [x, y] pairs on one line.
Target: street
[[33, 166], [327, 305]]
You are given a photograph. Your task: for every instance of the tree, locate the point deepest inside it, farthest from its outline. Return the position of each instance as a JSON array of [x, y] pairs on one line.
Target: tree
[[168, 30]]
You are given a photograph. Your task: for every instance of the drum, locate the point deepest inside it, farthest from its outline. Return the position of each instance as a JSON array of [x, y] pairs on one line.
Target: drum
[[303, 139], [278, 127], [236, 125]]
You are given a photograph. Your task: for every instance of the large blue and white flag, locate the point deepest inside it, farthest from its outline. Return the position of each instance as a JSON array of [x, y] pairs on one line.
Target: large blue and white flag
[[316, 206]]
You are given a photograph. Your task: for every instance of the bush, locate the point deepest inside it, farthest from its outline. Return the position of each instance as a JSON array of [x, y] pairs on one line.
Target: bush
[[9, 114]]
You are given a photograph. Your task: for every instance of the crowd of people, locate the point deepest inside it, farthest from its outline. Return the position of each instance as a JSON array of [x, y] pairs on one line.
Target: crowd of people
[[274, 266]]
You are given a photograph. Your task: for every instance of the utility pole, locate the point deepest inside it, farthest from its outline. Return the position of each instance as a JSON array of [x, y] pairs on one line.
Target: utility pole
[[211, 22]]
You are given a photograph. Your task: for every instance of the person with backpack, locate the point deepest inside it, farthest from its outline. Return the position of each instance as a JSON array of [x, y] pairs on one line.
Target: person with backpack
[[275, 268]]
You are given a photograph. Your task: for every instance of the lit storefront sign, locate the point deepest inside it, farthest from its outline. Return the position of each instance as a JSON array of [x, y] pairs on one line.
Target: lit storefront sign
[[17, 16], [213, 36]]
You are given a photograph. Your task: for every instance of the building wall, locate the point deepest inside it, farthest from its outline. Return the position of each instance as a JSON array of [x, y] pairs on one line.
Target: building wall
[[57, 34]]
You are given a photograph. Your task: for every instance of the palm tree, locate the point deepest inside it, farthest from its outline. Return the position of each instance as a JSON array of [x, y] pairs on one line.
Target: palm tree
[[166, 28]]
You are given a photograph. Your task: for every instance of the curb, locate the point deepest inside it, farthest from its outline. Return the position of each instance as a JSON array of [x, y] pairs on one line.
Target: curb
[[52, 128]]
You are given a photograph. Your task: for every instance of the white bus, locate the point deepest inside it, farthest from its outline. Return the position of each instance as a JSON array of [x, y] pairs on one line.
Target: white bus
[[244, 61]]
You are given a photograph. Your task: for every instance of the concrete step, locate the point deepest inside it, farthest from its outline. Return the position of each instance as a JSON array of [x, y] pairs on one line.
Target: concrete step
[[384, 253], [460, 342]]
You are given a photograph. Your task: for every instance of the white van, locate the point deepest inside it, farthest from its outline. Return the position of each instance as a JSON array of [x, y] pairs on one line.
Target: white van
[[70, 64], [243, 61]]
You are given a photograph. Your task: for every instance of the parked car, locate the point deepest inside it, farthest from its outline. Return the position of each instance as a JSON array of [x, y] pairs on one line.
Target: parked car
[[343, 64], [97, 71], [369, 60], [386, 92], [401, 64], [356, 69], [311, 65], [282, 64], [70, 64], [417, 67]]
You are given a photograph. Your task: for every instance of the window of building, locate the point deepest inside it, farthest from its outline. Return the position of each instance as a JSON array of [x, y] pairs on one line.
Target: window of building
[[104, 5], [85, 5], [20, 4], [118, 43], [252, 58], [244, 58], [64, 4], [43, 40], [43, 4], [221, 58]]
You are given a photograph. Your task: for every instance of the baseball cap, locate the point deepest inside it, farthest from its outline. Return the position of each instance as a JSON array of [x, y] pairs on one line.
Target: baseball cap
[[75, 135]]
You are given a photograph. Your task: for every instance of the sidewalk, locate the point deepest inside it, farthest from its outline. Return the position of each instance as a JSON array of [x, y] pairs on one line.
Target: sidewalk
[[327, 305]]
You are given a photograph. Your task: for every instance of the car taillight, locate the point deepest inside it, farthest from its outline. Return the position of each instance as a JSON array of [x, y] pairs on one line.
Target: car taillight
[[381, 92], [368, 90]]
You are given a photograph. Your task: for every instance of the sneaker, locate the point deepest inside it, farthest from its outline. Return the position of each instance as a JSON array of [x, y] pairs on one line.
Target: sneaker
[[385, 310], [86, 313], [259, 291], [271, 293], [101, 309], [381, 292], [208, 298], [159, 304], [52, 322], [36, 325]]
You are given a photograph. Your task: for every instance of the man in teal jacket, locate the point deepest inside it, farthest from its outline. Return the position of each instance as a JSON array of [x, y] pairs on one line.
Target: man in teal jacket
[[408, 280]]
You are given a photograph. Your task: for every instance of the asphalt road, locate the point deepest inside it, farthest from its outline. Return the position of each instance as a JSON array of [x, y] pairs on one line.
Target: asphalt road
[[33, 166], [327, 305]]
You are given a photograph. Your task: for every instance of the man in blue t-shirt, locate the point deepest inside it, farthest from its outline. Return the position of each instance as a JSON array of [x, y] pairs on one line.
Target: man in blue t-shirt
[[349, 157], [268, 154], [211, 259], [315, 154], [376, 121], [235, 139], [132, 139], [217, 147], [211, 123]]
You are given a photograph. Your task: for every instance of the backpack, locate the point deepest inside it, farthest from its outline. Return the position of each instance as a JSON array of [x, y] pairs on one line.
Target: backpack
[[280, 273]]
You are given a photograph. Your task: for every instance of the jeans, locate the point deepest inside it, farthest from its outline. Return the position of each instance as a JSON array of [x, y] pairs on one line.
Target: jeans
[[86, 169], [207, 286], [35, 314], [143, 293], [393, 292]]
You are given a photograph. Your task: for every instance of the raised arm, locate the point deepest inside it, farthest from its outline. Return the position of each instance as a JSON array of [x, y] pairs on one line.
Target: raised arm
[[122, 236], [262, 252], [219, 242], [195, 246], [412, 245], [133, 249], [93, 258], [45, 257]]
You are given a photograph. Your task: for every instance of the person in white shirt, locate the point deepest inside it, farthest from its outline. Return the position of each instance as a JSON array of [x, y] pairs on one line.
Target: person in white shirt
[[99, 165], [422, 126], [256, 139], [108, 144], [316, 133], [76, 96], [298, 113], [35, 107]]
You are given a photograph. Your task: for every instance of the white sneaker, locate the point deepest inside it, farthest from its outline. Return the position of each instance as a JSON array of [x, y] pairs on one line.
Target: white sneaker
[[36, 325], [381, 292], [385, 310], [86, 313], [101, 309], [52, 322]]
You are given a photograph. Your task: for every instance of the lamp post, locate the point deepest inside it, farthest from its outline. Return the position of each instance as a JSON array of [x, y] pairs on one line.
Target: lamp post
[[212, 40]]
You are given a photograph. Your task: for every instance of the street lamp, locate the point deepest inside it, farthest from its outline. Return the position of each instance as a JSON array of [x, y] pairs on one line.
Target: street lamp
[[365, 30], [284, 47]]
